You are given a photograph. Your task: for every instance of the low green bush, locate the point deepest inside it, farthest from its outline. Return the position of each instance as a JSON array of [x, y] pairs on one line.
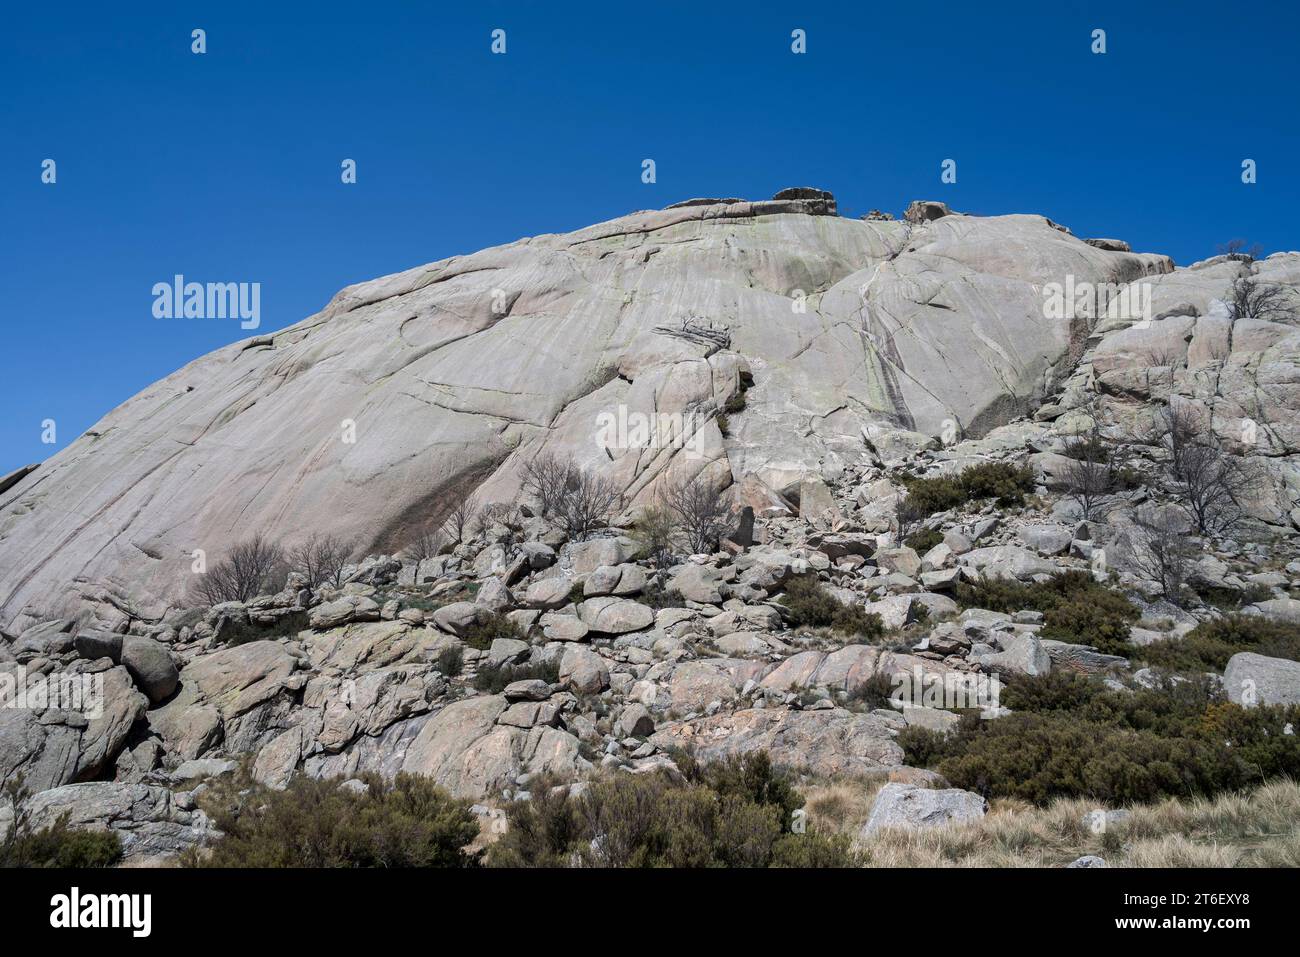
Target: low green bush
[[810, 604], [939, 493], [450, 661], [481, 634], [494, 678], [286, 626], [410, 822], [924, 540], [1076, 608], [1071, 736], [1209, 645], [735, 817], [60, 846]]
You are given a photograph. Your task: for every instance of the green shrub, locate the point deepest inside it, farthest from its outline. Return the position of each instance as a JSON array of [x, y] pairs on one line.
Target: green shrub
[[1071, 736], [1076, 608], [60, 846], [286, 626], [873, 693], [939, 493], [924, 540], [652, 820], [656, 596], [450, 661], [481, 634], [747, 777], [315, 823], [1209, 645], [494, 678], [810, 604], [1090, 448], [1232, 599]]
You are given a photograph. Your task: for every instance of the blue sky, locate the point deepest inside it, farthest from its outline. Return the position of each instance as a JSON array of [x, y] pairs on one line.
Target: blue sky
[[225, 166]]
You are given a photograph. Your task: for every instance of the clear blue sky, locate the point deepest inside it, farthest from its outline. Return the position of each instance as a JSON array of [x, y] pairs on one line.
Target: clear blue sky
[[225, 166]]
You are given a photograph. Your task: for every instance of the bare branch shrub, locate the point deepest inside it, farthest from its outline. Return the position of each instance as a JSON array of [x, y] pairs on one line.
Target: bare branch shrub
[[1211, 485], [1161, 551], [253, 567], [503, 521], [420, 549], [1238, 250], [701, 512], [1252, 299], [585, 503], [1094, 470], [575, 499], [545, 479], [461, 521], [321, 560]]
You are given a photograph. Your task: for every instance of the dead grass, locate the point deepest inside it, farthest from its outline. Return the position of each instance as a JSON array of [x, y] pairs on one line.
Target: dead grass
[[1260, 828]]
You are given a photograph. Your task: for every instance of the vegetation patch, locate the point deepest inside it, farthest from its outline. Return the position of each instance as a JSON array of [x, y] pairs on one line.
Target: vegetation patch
[[316, 823], [1076, 608], [736, 813], [1070, 736], [481, 634], [494, 678], [1007, 483], [60, 846], [810, 604], [1209, 645]]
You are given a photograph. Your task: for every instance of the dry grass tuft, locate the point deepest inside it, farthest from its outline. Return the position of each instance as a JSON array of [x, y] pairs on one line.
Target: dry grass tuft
[[1260, 828]]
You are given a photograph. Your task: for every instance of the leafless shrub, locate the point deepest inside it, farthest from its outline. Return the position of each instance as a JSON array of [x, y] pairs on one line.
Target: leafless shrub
[[700, 331], [701, 512], [253, 567], [577, 500], [545, 479], [1238, 250], [504, 521], [321, 560], [1094, 469], [586, 503], [1161, 551], [420, 549], [1252, 299], [1211, 485], [461, 521]]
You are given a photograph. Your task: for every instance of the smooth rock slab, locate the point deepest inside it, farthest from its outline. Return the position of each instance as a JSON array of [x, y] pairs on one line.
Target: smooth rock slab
[[615, 616], [828, 743], [908, 806], [1252, 679]]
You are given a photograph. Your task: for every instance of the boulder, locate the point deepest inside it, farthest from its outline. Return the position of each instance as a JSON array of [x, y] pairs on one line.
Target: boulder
[[151, 665], [615, 616], [584, 671], [145, 818], [910, 807], [549, 593], [827, 743], [1251, 679], [698, 583]]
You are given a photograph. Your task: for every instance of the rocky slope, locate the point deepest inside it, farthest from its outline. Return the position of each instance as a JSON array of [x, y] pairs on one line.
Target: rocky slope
[[621, 659], [457, 372]]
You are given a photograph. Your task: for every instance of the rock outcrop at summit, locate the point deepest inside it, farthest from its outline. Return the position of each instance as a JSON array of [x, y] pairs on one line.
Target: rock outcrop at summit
[[450, 376]]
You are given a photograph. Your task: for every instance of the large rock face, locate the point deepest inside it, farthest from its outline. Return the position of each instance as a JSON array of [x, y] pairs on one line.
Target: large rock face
[[374, 417]]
